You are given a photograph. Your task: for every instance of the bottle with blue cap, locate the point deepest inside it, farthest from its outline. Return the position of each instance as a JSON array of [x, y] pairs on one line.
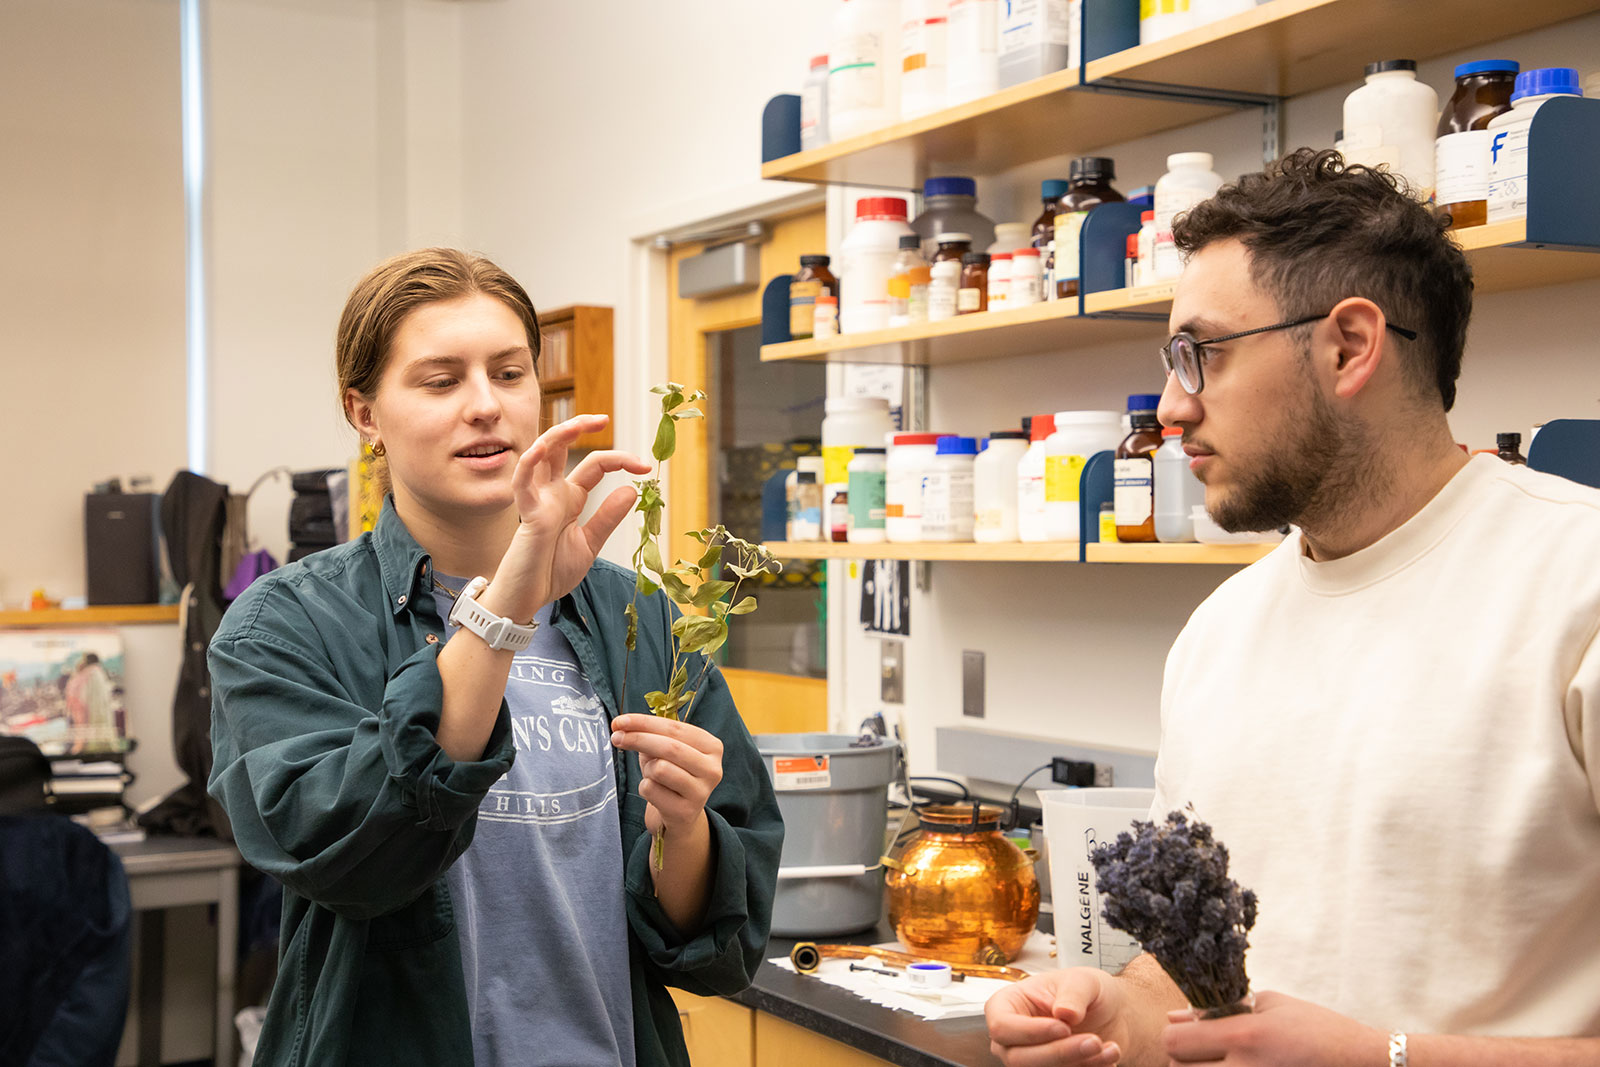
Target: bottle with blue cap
[[1508, 138], [1461, 152], [947, 490], [1133, 470], [951, 204]]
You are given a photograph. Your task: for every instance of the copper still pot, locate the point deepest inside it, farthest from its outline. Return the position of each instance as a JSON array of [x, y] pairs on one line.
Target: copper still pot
[[961, 891]]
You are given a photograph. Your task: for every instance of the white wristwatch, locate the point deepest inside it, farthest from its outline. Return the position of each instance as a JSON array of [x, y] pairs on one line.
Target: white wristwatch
[[497, 631]]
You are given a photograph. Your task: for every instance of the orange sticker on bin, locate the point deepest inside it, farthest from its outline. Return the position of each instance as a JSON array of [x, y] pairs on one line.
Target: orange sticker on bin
[[801, 772]]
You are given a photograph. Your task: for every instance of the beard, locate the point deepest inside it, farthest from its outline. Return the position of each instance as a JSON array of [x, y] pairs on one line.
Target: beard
[[1316, 470]]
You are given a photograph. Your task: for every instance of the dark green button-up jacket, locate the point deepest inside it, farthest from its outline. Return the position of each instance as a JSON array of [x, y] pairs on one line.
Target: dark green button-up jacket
[[326, 698]]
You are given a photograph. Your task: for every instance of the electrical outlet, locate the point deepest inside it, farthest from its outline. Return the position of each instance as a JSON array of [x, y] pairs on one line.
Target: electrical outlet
[[1103, 776], [893, 663], [972, 684]]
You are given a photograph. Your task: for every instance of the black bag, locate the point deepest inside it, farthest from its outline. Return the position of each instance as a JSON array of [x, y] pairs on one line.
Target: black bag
[[24, 774]]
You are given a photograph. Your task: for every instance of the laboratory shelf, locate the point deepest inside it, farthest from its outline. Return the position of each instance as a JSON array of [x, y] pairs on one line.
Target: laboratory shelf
[[1020, 552], [108, 615], [1279, 49], [1117, 552]]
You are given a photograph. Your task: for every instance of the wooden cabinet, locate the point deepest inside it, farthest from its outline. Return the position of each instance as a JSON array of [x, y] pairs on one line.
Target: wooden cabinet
[[783, 1044], [718, 1032], [575, 368]]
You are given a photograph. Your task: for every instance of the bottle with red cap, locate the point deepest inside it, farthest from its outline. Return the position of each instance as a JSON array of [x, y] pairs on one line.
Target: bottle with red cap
[[1030, 479], [866, 263]]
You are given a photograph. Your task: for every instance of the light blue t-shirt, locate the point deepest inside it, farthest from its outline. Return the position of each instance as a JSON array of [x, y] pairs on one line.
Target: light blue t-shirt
[[538, 895]]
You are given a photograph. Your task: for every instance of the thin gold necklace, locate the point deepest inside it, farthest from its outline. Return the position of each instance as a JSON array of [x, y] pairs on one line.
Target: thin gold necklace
[[453, 594]]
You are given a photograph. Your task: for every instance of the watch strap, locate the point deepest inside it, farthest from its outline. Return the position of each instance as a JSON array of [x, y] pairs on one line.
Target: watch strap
[[497, 631]]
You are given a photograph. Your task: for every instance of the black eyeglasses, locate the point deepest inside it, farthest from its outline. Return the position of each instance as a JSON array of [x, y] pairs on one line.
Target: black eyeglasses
[[1183, 353]]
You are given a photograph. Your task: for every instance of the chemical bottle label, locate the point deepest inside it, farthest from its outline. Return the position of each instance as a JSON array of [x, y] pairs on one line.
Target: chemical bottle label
[[836, 463], [1133, 493], [967, 300], [855, 73], [866, 500], [989, 520], [802, 307], [1069, 233], [1062, 476], [1028, 23], [1508, 173], [1461, 167]]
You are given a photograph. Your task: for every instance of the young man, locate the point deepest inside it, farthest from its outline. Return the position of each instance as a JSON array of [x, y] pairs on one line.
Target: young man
[[1393, 721]]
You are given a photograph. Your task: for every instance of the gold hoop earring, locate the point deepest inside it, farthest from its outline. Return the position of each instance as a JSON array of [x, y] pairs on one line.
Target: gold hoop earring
[[378, 449]]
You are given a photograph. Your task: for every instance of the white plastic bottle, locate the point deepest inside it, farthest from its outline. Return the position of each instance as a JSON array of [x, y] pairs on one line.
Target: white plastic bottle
[[947, 490], [814, 106], [1391, 120], [1177, 489], [924, 72], [994, 487], [999, 280], [1146, 274], [1189, 180], [1038, 37], [973, 50], [1078, 436], [1204, 11], [866, 263], [867, 477], [849, 423], [863, 77], [1508, 138], [910, 455], [1030, 479], [1160, 19]]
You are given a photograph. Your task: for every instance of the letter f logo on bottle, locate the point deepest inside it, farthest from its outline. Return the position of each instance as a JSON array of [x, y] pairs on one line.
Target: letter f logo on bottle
[[1495, 145]]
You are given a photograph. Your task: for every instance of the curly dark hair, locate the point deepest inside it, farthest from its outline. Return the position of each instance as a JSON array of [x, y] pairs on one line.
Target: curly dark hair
[[1320, 230]]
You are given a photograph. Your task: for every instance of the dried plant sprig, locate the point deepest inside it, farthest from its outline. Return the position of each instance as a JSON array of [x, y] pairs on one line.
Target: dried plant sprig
[[1167, 885], [693, 586]]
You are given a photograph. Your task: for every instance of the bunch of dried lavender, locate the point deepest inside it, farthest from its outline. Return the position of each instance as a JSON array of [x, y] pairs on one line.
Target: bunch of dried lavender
[[1167, 885]]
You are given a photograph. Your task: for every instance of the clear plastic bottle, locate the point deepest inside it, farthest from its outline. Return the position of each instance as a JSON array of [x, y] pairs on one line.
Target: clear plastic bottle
[[866, 262], [1177, 489], [994, 487], [1508, 144], [908, 285], [1090, 187], [1038, 37], [1390, 121], [951, 204], [1461, 148], [863, 79], [1030, 480], [973, 50], [923, 68], [944, 276], [814, 106], [1189, 180]]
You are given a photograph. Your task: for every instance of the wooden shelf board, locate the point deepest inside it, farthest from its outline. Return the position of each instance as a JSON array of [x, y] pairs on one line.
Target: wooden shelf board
[[1289, 47], [1156, 299], [1016, 552], [1036, 328], [1045, 117], [1116, 552], [1503, 259], [551, 386], [109, 615]]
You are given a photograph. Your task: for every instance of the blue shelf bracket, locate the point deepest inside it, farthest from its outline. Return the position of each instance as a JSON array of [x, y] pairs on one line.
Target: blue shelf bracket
[[1095, 488], [780, 127], [1102, 254], [775, 311], [1563, 159]]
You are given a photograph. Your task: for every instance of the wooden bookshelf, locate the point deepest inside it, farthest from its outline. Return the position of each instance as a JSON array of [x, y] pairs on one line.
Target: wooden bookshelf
[[576, 368], [1117, 552], [109, 615]]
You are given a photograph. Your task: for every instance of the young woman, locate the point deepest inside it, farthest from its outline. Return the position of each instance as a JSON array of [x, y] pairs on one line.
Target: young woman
[[452, 679]]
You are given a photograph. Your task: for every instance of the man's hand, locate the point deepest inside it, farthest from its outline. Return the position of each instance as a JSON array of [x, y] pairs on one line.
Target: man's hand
[[1071, 1017], [1282, 1032]]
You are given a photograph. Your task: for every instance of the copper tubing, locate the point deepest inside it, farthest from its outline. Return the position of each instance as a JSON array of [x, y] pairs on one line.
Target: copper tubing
[[806, 955]]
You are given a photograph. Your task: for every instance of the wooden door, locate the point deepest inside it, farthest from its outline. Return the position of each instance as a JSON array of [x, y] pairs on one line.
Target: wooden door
[[709, 338]]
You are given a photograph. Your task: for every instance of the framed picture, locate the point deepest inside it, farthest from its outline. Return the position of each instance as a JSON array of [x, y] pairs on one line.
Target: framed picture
[[62, 689]]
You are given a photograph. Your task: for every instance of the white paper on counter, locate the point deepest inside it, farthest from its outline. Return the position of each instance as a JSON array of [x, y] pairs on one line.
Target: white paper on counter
[[955, 1001]]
